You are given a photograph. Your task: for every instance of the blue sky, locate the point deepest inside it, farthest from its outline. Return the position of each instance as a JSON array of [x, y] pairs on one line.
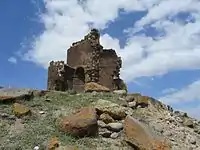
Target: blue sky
[[158, 41]]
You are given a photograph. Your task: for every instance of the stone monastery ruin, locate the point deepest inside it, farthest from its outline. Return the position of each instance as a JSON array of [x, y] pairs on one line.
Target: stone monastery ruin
[[87, 62]]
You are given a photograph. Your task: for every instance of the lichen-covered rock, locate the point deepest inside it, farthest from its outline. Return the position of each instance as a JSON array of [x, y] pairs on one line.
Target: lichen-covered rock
[[114, 110], [106, 118], [81, 124], [20, 110], [143, 101], [139, 137], [92, 86]]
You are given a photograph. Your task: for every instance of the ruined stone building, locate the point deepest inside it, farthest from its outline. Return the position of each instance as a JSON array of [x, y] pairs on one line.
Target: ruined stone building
[[87, 61]]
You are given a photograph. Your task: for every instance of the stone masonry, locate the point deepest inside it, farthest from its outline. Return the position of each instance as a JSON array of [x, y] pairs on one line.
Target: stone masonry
[[87, 61]]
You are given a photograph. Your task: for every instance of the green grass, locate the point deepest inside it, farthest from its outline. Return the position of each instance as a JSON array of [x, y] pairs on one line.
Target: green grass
[[39, 129]]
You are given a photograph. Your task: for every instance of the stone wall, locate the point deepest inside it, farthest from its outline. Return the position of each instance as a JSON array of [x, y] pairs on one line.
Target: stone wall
[[87, 61], [60, 76], [110, 65]]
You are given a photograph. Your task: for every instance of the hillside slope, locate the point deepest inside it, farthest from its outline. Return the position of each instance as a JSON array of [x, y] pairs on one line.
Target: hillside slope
[[31, 120]]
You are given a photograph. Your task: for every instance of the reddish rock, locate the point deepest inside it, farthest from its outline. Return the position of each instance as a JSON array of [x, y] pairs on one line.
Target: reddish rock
[[7, 99], [83, 123], [92, 86], [53, 144], [140, 138]]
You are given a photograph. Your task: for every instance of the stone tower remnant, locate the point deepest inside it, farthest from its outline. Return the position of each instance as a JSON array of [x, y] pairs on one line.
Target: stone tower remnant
[[87, 61]]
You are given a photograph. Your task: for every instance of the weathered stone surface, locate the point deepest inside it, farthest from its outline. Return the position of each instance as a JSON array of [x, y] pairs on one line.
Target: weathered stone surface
[[106, 118], [114, 135], [189, 123], [115, 126], [101, 124], [105, 132], [83, 123], [92, 86], [53, 143], [120, 92], [12, 94], [113, 109], [7, 99], [139, 137], [20, 110], [132, 104], [142, 101]]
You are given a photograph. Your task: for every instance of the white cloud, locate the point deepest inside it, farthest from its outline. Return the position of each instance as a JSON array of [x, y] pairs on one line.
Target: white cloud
[[181, 98], [67, 21], [168, 91], [194, 111], [12, 60], [187, 94]]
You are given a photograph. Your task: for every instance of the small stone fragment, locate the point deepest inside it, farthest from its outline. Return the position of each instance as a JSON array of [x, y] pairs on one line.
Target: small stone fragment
[[114, 135], [106, 118], [132, 104], [101, 124], [116, 127]]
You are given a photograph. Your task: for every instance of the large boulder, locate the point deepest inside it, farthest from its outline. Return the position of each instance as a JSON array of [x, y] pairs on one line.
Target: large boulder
[[12, 94], [114, 110], [92, 86], [139, 137], [7, 99], [81, 124]]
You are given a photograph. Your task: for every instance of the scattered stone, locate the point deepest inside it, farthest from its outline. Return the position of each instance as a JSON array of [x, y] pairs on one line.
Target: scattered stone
[[105, 133], [4, 115], [132, 104], [92, 86], [12, 117], [102, 124], [36, 148], [20, 110], [114, 110], [41, 112], [190, 139], [167, 133], [120, 92], [53, 144], [116, 127], [189, 123], [81, 124], [143, 101], [114, 135], [106, 118], [159, 128]]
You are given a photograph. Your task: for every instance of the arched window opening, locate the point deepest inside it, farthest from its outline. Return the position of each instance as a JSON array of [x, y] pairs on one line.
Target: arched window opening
[[80, 73]]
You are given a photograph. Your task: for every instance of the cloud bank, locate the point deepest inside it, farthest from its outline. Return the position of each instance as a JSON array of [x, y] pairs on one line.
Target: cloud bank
[[174, 46]]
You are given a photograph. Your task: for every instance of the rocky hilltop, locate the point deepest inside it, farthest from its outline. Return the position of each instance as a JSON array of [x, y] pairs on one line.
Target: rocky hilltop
[[40, 120]]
